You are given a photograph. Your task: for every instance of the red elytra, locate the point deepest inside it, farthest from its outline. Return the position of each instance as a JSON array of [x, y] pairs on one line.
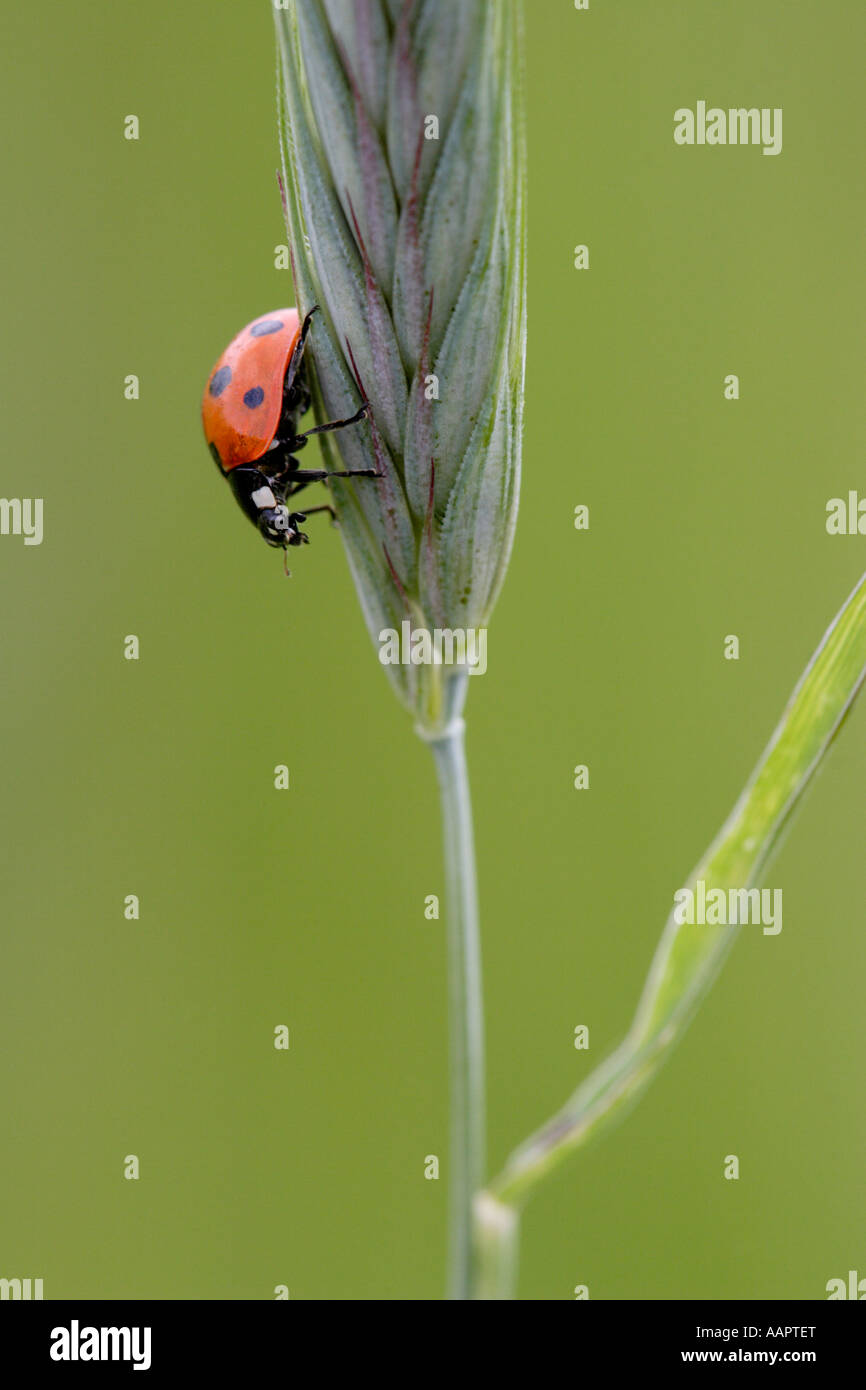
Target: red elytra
[[243, 400]]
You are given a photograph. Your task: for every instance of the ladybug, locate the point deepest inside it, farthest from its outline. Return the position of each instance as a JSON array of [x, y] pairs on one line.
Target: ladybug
[[253, 400]]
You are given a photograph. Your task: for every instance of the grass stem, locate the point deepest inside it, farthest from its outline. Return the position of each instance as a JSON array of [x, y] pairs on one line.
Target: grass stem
[[465, 1003]]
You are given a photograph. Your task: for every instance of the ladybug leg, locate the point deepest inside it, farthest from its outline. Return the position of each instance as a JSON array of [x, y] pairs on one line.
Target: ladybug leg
[[296, 391], [337, 424], [311, 511], [294, 360], [291, 489], [296, 519], [303, 476]]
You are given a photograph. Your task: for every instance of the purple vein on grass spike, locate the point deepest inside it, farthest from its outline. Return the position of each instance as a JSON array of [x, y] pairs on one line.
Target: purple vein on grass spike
[[412, 673], [403, 113], [398, 583], [392, 394], [367, 49], [380, 207], [431, 592], [285, 202], [329, 246], [477, 317], [389, 487], [357, 159], [362, 30], [419, 426], [409, 286]]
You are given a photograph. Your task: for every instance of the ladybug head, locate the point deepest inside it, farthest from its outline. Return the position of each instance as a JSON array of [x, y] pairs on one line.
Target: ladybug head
[[277, 525]]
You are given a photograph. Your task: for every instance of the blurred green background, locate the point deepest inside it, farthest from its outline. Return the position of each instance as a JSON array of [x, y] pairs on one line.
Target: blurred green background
[[258, 908]]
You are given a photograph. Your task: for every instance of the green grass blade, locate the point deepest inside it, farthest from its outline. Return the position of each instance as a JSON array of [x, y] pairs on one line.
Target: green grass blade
[[688, 958]]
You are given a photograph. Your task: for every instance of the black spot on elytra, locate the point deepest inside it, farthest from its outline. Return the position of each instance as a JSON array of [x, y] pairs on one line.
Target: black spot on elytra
[[261, 330], [254, 397], [220, 380]]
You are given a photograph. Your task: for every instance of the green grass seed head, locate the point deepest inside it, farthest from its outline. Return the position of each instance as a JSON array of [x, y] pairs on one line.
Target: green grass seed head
[[403, 171]]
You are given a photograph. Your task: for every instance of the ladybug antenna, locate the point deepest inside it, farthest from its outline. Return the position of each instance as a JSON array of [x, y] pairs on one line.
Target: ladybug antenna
[[286, 570]]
